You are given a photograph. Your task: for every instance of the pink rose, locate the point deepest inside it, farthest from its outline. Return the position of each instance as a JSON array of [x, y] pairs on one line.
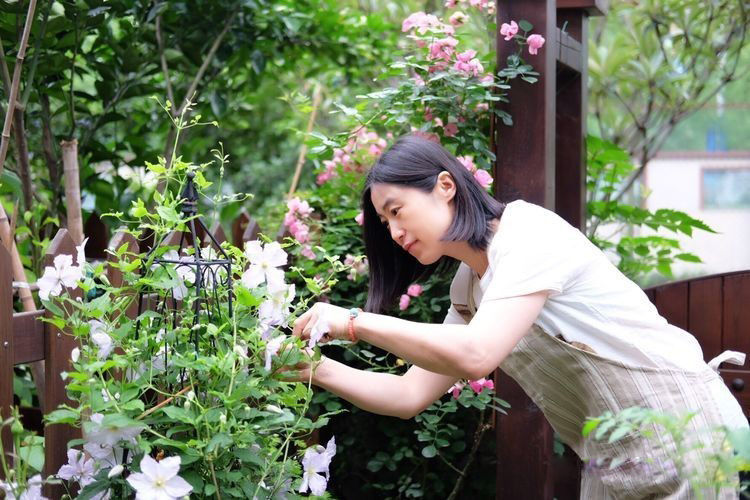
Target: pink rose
[[487, 79], [456, 389], [403, 302], [468, 162], [451, 129], [482, 106], [360, 218], [466, 56], [428, 116], [478, 385], [509, 30], [414, 290], [449, 4], [483, 178], [457, 19], [535, 43], [307, 252]]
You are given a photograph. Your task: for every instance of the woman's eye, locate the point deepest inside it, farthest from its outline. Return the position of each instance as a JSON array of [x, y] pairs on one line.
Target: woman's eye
[[394, 211]]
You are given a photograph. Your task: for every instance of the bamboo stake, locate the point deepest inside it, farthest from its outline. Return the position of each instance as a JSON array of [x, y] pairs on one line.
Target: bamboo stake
[[303, 149], [13, 95], [72, 189]]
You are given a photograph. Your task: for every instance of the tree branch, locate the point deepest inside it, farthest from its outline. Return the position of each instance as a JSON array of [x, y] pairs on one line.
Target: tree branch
[[163, 59], [13, 94], [193, 86]]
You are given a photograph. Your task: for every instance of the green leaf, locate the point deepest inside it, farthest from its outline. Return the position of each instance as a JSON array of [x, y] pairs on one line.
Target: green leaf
[[525, 25], [429, 451]]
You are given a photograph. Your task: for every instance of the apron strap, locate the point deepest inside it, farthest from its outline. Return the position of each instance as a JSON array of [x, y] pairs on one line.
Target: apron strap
[[733, 357]]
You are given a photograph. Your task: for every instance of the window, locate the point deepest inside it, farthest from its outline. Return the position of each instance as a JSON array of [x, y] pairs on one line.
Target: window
[[726, 187]]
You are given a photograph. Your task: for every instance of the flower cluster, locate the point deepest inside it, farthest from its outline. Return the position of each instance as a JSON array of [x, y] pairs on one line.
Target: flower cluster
[[476, 385], [297, 211], [481, 176], [357, 154], [414, 290]]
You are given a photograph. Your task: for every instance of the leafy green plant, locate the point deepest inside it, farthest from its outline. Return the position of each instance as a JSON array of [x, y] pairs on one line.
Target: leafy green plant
[[731, 455], [608, 166]]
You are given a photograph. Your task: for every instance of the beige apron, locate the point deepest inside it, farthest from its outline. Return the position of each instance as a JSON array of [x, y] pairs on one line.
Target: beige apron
[[570, 383]]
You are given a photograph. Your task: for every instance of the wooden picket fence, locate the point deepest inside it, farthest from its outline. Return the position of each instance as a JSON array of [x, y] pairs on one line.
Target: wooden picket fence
[[24, 338]]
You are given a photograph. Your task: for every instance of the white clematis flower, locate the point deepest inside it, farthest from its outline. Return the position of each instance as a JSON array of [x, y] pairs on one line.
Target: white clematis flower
[[159, 480], [99, 336], [109, 436], [275, 309], [264, 262], [63, 274], [78, 468]]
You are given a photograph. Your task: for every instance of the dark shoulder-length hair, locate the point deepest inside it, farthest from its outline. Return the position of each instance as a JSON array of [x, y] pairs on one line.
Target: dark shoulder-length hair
[[415, 162]]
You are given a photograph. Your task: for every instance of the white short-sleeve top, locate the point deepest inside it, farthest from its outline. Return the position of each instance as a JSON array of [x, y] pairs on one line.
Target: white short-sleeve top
[[590, 300]]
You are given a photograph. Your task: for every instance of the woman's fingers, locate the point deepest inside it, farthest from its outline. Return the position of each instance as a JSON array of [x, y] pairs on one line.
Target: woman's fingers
[[301, 323]]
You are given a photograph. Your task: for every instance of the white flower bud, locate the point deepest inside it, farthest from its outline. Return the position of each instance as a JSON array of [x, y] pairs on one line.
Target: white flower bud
[[274, 409], [116, 471], [186, 405], [75, 354], [191, 395], [222, 419]]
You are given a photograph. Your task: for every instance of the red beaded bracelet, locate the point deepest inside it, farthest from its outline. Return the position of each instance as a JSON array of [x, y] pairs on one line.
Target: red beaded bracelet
[[353, 313]]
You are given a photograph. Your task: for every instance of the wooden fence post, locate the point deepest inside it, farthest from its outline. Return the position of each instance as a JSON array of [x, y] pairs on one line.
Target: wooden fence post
[[6, 347], [58, 345]]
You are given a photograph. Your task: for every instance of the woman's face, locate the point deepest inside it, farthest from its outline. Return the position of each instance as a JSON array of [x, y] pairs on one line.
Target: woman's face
[[415, 219]]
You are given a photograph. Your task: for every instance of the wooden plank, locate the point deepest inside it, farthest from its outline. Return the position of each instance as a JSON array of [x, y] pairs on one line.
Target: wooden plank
[[570, 53], [736, 315], [524, 446], [98, 234], [238, 229], [567, 471], [672, 302], [590, 7], [114, 275], [218, 232], [28, 337], [57, 348], [738, 382], [705, 314], [525, 151], [650, 294], [6, 348]]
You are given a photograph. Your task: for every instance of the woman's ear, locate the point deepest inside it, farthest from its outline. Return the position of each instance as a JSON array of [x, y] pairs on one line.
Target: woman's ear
[[445, 185]]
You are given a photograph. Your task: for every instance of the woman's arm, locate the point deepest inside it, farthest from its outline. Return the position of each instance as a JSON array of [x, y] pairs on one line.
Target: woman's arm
[[460, 351], [398, 396]]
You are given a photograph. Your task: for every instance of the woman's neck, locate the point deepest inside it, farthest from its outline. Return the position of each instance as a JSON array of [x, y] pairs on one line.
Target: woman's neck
[[477, 260]]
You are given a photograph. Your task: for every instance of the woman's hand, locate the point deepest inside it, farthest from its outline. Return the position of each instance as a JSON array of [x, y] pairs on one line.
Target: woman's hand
[[322, 317], [303, 370]]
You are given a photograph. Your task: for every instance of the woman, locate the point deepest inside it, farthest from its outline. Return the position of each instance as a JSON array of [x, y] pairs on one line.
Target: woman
[[531, 295]]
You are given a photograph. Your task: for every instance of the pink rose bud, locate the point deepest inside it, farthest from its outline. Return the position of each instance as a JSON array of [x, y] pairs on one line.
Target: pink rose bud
[[489, 384], [509, 30], [535, 43], [403, 302], [414, 290], [483, 178], [360, 218]]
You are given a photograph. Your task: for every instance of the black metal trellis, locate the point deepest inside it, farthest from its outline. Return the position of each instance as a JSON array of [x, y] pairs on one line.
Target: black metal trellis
[[202, 276]]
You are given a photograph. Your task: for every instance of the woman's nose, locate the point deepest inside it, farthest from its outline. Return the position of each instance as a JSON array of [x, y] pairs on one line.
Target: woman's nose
[[396, 232]]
